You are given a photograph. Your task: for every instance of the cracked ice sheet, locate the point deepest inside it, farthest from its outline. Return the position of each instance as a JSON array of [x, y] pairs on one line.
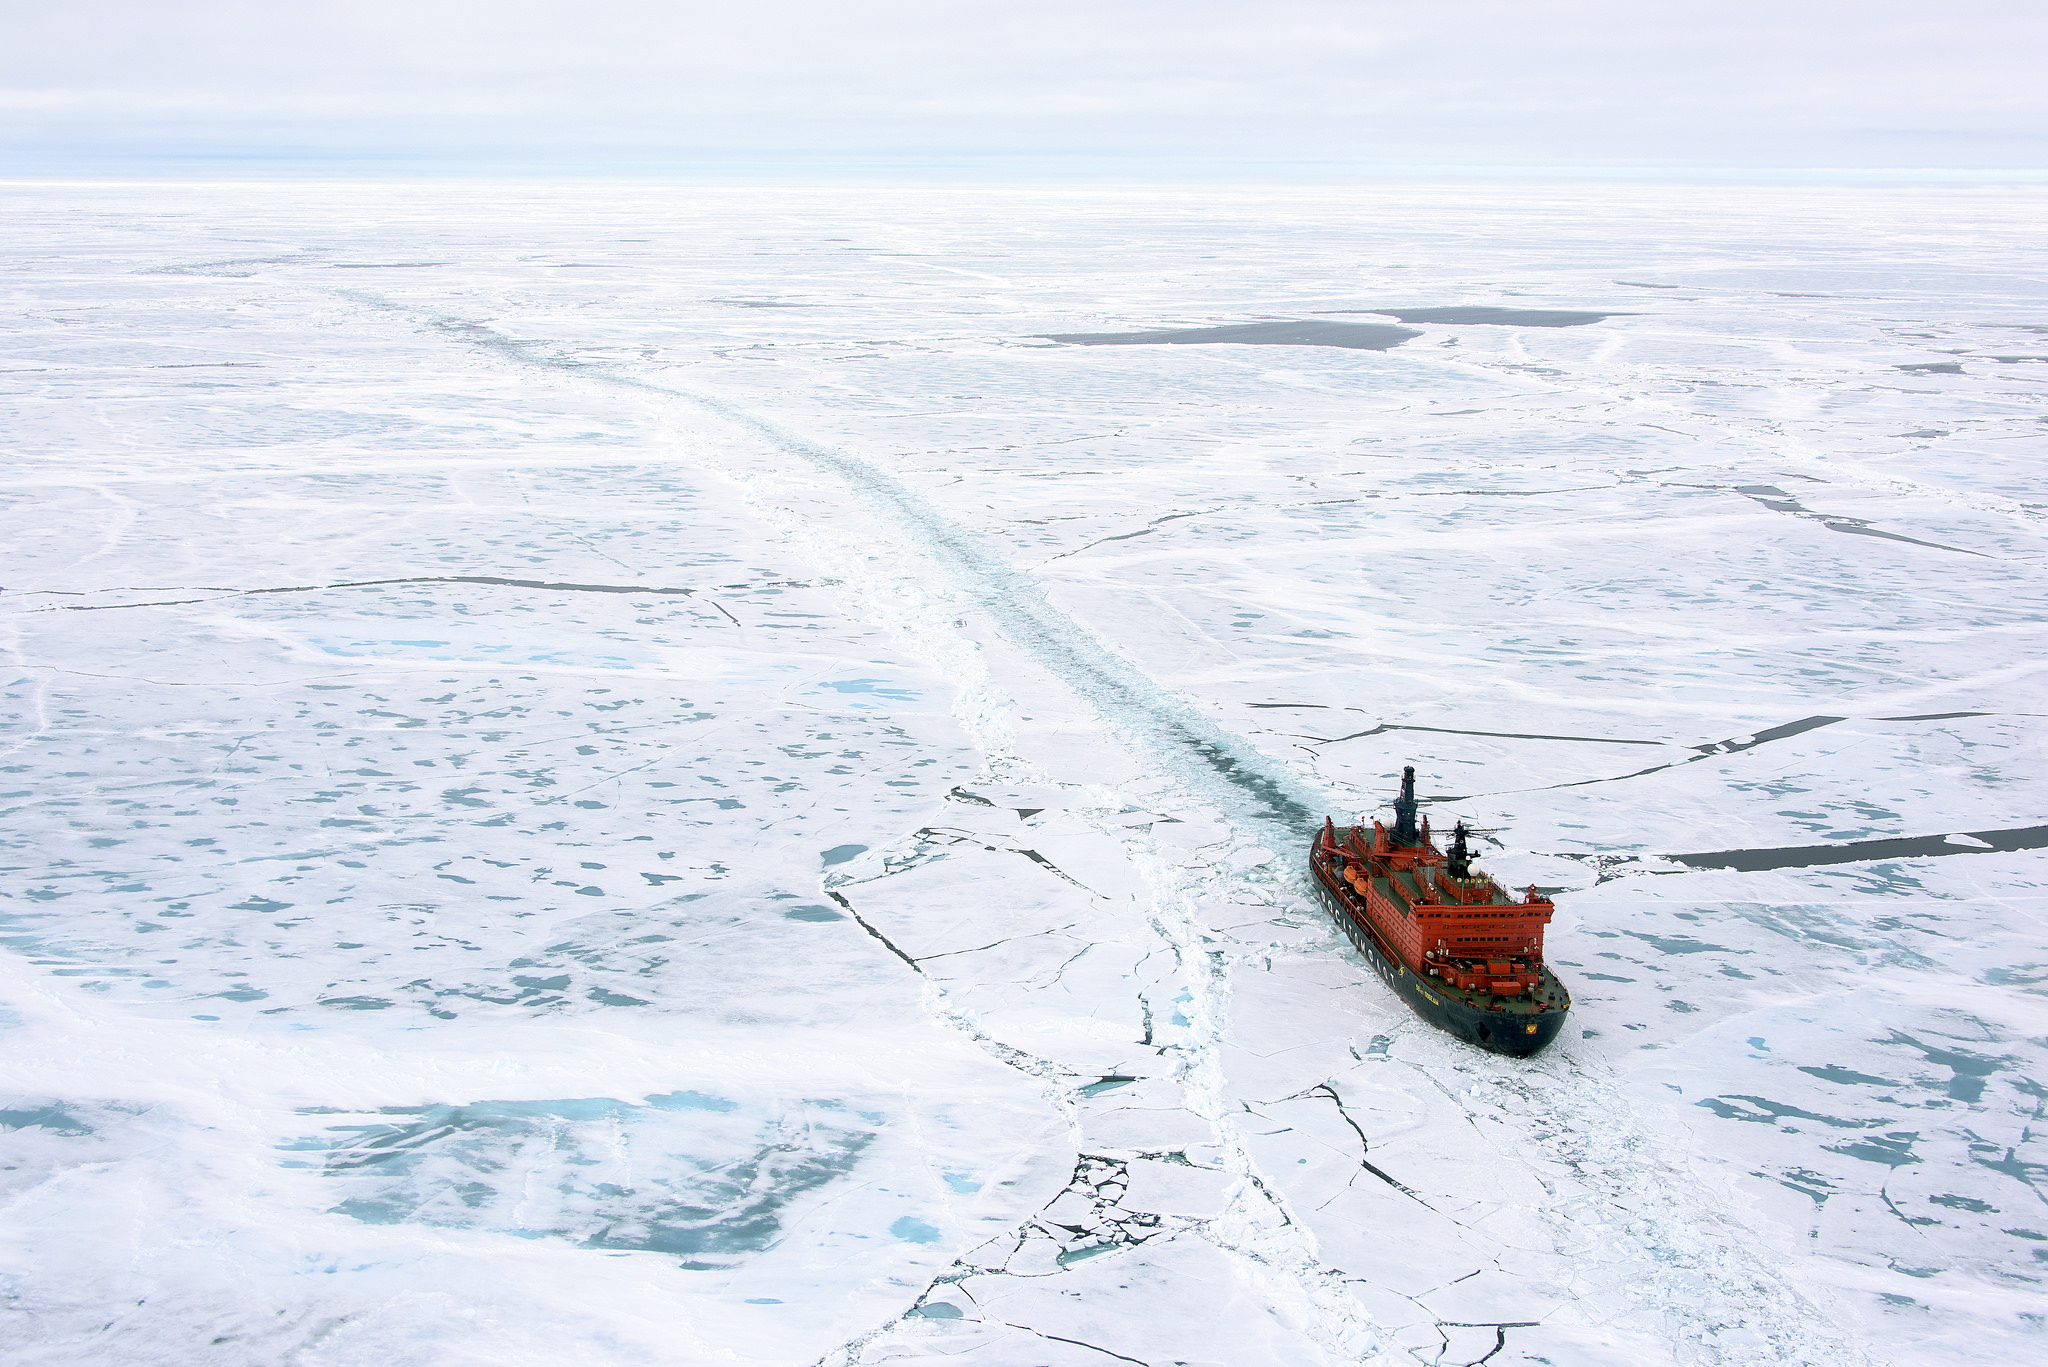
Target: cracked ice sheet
[[1548, 533], [1894, 1125], [437, 971]]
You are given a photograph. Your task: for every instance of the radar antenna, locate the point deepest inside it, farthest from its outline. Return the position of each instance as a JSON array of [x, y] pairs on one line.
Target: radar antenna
[[1458, 857]]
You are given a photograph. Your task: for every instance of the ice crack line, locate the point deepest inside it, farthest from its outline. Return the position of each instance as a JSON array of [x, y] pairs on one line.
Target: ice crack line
[[1778, 501], [1146, 530], [1059, 1080], [1325, 1089], [651, 590], [1385, 727], [1708, 751], [1500, 1334], [1077, 1343]]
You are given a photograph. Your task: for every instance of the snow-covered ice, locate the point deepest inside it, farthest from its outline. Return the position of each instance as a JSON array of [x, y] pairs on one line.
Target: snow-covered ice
[[625, 774]]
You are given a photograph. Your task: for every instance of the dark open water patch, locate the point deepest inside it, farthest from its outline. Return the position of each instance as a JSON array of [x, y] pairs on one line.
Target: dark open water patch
[[1968, 1069], [1933, 367], [1355, 336], [1859, 851], [1778, 501], [1487, 315]]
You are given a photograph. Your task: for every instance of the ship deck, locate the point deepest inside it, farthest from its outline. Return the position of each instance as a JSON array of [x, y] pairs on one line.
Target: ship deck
[[1549, 996]]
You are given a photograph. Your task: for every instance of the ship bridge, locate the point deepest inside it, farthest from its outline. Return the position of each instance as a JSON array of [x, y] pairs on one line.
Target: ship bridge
[[1465, 929]]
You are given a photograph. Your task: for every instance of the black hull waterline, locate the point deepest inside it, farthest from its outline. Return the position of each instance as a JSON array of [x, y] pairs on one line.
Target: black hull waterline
[[1496, 1032]]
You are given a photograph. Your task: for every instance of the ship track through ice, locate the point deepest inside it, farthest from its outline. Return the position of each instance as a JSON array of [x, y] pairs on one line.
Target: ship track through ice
[[1449, 942]]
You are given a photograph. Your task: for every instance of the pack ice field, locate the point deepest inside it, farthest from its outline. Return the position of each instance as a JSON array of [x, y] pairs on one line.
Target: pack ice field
[[625, 774]]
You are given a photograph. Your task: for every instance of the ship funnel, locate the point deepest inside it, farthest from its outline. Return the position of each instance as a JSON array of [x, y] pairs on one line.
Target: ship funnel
[[1404, 832]]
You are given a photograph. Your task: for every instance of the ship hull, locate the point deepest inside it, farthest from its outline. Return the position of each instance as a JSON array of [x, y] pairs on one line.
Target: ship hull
[[1515, 1034]]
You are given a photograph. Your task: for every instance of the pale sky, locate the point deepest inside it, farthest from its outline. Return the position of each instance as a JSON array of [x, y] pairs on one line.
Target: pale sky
[[1423, 83]]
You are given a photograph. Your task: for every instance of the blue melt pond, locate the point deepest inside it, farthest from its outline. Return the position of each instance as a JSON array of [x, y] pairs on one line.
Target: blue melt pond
[[878, 692], [913, 1230], [692, 1101]]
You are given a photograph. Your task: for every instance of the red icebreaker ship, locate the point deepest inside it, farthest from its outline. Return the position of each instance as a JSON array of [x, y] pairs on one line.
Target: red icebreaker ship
[[1460, 950]]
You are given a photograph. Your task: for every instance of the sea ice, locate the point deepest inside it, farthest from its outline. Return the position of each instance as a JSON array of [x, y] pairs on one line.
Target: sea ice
[[738, 803]]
